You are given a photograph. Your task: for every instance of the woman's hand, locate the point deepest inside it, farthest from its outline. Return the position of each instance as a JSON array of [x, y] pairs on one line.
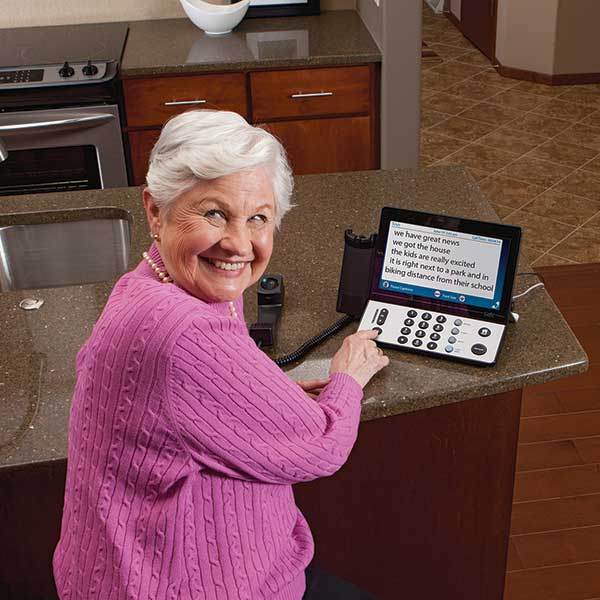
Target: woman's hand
[[313, 387], [359, 357]]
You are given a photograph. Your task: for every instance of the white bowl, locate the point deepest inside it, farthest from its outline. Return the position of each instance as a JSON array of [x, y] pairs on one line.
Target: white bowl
[[215, 19]]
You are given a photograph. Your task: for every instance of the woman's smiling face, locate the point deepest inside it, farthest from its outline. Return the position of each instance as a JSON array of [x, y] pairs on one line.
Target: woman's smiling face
[[216, 239]]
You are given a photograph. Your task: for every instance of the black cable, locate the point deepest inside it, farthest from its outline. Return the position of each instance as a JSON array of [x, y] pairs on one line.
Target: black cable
[[314, 341]]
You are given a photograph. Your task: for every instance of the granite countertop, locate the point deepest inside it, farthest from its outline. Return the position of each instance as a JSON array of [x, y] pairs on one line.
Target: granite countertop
[[39, 347], [167, 46]]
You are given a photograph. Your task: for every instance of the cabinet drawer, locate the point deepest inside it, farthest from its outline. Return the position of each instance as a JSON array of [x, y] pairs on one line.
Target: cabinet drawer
[[149, 101], [310, 92]]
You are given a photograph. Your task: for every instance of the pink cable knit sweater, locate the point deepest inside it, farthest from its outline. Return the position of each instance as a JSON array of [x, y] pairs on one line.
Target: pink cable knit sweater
[[184, 442]]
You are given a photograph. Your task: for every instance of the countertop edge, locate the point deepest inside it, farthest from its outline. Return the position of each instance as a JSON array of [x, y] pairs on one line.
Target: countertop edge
[[374, 408], [332, 61]]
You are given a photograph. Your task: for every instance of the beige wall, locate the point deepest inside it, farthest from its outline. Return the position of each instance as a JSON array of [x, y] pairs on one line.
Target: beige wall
[[577, 47], [395, 25], [526, 34], [26, 13], [455, 8]]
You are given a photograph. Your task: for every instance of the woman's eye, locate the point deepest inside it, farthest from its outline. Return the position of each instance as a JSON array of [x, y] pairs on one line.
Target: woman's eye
[[214, 214], [258, 219]]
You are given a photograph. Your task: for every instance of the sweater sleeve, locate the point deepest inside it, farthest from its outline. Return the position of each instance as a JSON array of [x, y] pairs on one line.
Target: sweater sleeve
[[240, 415]]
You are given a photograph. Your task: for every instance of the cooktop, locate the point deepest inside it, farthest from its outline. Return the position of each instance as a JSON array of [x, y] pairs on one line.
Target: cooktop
[[60, 55]]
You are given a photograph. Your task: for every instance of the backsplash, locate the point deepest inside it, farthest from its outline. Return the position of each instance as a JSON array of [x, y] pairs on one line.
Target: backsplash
[[17, 13]]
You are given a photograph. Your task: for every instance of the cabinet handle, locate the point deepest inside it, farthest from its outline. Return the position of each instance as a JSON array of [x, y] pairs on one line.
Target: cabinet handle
[[313, 95], [184, 102]]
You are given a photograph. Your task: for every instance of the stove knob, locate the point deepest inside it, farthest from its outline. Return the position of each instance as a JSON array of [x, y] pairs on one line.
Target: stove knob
[[66, 70], [90, 70]]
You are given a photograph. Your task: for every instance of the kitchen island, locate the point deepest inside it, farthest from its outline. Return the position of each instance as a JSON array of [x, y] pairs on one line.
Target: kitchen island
[[422, 508]]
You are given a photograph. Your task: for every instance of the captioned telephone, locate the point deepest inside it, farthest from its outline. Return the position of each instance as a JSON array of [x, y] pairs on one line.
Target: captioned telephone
[[428, 283], [441, 285]]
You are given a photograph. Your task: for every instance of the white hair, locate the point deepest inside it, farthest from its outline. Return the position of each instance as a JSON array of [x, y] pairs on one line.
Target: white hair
[[201, 145]]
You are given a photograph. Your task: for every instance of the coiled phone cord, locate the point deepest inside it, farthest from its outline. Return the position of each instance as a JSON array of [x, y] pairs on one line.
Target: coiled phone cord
[[314, 341]]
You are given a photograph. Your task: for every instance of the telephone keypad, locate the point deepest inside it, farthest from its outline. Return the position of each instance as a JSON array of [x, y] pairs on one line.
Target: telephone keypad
[[406, 327]]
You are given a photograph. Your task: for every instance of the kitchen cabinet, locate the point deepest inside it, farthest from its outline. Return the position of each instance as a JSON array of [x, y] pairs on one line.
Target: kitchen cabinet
[[327, 118]]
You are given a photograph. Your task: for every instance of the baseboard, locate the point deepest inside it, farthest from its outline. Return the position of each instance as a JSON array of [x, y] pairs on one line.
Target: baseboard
[[566, 79]]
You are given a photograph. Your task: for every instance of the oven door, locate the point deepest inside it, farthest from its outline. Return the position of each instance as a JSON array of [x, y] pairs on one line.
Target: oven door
[[62, 149]]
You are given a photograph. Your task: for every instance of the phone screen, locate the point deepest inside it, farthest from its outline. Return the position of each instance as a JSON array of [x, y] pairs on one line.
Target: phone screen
[[451, 266]]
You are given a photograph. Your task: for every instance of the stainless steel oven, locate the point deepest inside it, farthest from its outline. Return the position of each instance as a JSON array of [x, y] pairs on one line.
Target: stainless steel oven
[[61, 149], [60, 108]]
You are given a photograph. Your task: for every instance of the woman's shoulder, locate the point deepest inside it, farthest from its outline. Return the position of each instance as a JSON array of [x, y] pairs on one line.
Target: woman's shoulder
[[137, 299]]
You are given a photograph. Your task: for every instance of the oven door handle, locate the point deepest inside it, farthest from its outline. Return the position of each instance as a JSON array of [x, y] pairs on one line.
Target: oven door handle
[[66, 123]]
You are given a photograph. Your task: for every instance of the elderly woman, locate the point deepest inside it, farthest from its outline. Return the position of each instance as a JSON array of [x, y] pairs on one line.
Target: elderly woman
[[184, 438]]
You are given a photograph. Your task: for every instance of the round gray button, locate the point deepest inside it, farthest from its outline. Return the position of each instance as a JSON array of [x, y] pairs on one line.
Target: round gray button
[[402, 339], [409, 322], [440, 319], [455, 331], [412, 313], [478, 349], [426, 316], [484, 332], [423, 325], [420, 333], [452, 339], [449, 349], [405, 331], [432, 345], [438, 327], [378, 330], [417, 343], [457, 322], [435, 336]]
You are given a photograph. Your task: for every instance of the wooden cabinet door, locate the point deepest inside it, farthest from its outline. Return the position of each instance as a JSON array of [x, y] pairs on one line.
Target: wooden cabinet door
[[478, 24], [140, 146], [327, 145]]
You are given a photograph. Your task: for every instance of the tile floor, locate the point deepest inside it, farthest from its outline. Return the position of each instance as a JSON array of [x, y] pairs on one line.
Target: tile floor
[[533, 149]]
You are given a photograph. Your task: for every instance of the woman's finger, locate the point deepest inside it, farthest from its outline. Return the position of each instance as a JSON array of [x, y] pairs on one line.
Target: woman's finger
[[312, 384]]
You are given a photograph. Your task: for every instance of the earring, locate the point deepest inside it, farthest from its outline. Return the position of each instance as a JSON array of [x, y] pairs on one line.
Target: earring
[[155, 236]]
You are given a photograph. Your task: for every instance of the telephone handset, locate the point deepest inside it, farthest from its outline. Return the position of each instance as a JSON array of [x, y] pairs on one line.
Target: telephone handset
[[355, 276]]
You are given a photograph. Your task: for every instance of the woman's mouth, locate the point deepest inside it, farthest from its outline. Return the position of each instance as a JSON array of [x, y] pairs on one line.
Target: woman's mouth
[[224, 265]]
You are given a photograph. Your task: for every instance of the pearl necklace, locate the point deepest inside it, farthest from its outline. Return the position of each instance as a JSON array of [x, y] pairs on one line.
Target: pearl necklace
[[166, 278], [162, 275]]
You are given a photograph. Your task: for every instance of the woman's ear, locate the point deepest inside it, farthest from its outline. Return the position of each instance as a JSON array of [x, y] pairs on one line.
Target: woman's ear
[[152, 212]]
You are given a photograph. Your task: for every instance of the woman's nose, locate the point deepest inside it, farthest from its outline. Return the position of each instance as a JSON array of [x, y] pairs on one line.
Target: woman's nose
[[237, 240]]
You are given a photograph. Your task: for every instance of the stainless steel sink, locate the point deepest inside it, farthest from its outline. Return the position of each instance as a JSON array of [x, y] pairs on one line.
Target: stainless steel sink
[[51, 249]]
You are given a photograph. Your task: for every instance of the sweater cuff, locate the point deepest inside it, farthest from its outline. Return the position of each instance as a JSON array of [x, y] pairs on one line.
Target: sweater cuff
[[344, 381]]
